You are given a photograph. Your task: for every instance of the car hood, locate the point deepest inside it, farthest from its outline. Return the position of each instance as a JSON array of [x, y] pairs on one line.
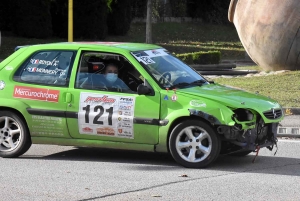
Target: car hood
[[231, 97]]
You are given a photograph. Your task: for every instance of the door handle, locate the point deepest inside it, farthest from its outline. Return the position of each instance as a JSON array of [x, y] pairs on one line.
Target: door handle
[[68, 97]]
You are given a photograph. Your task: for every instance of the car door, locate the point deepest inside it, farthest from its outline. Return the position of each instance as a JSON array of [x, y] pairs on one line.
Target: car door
[[101, 114], [41, 83]]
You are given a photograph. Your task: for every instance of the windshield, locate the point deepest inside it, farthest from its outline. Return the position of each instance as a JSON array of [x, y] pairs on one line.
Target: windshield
[[167, 70]]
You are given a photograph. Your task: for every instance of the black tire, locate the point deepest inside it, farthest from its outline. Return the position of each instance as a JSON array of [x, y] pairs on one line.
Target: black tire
[[14, 135], [241, 153], [203, 149]]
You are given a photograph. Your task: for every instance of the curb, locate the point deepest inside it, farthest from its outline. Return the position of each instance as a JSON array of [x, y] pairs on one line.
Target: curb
[[229, 72], [289, 131], [293, 132], [220, 66]]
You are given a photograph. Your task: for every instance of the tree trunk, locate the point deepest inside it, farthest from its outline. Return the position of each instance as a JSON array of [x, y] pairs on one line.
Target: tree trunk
[[149, 22]]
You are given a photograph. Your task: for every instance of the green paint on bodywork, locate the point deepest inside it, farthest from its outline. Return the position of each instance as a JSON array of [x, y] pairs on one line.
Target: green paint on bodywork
[[212, 103]]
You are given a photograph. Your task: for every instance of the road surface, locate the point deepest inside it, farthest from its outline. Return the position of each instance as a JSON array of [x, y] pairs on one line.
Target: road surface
[[49, 172]]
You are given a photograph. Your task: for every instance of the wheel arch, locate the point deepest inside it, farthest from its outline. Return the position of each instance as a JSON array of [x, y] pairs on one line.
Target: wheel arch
[[181, 119], [17, 112], [165, 131]]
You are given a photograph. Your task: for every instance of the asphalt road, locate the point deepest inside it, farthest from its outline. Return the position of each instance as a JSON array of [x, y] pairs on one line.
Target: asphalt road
[[291, 121], [48, 172]]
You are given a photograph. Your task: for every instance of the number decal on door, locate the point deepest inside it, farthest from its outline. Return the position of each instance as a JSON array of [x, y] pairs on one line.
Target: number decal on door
[[106, 115], [98, 116]]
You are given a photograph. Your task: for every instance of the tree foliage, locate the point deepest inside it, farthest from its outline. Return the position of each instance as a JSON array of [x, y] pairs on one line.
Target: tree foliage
[[139, 8], [32, 19], [119, 17], [212, 11], [90, 19], [59, 16], [178, 8], [93, 19], [6, 15]]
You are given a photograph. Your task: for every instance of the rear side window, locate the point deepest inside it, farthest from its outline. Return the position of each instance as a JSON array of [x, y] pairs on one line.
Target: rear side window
[[47, 68]]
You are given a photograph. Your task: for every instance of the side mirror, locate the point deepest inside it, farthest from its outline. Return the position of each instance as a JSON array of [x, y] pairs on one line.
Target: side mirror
[[143, 90]]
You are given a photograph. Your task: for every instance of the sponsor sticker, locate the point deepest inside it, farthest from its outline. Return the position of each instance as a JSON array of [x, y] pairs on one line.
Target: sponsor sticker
[[48, 63], [105, 131], [146, 60], [9, 68], [87, 129], [127, 113], [104, 99], [174, 97], [40, 94], [2, 84], [48, 126], [197, 103], [125, 107], [156, 53], [46, 71]]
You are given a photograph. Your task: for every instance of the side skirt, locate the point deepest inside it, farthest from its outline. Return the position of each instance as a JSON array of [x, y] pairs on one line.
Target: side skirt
[[93, 143]]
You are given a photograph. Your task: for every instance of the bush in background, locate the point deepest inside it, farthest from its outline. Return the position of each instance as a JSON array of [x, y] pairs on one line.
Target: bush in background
[[210, 57]]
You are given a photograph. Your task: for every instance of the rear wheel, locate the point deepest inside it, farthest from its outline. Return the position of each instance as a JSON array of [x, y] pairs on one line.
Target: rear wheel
[[194, 144], [14, 136]]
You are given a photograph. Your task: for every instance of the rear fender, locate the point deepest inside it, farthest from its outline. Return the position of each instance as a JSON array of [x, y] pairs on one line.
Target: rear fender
[[16, 105]]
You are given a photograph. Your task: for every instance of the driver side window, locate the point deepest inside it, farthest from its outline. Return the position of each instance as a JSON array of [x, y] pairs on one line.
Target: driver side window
[[107, 72]]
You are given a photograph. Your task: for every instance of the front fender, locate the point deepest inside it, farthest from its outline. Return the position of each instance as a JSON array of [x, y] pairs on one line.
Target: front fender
[[219, 115]]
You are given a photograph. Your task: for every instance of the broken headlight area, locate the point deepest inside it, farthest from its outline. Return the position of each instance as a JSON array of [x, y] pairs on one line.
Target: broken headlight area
[[245, 119], [248, 133]]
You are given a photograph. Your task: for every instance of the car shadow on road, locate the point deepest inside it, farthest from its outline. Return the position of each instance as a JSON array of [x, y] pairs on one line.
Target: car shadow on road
[[162, 161], [109, 155]]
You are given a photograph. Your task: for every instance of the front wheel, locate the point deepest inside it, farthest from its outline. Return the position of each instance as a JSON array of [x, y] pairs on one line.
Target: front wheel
[[194, 144], [14, 136]]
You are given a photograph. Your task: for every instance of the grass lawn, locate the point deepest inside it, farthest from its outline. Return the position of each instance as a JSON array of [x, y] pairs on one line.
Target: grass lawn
[[284, 87]]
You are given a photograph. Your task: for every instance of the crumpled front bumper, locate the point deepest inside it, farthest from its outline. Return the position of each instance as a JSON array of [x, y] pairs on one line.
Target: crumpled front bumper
[[253, 138]]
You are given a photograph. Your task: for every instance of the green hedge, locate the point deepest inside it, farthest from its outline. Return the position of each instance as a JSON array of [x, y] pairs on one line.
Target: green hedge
[[210, 57]]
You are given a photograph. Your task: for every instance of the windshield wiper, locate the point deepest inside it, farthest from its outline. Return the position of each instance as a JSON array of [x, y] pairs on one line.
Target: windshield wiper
[[180, 84], [185, 84], [198, 82]]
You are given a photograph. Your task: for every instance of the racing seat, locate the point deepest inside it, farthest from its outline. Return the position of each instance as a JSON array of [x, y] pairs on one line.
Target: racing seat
[[94, 80]]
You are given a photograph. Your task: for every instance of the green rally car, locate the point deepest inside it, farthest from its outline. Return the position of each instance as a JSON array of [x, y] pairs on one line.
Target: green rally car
[[126, 96]]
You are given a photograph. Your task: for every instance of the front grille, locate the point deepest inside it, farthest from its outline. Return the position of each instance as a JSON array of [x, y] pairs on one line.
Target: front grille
[[273, 114]]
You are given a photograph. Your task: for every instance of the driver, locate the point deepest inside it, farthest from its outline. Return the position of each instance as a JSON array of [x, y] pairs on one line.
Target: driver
[[111, 75]]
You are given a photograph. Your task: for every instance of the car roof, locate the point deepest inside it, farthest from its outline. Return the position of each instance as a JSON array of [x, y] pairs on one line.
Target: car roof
[[95, 45]]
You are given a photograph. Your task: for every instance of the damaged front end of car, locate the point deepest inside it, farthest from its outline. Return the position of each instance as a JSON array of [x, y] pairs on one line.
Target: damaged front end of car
[[251, 130]]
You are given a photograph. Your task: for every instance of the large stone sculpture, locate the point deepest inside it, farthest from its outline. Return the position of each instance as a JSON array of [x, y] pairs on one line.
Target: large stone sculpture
[[269, 30]]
